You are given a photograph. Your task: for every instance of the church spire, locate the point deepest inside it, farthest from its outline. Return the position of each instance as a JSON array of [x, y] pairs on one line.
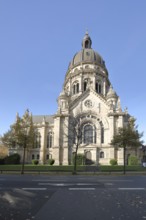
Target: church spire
[[86, 42]]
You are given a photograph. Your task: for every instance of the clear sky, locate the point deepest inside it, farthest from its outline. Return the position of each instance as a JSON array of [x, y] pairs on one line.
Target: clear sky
[[38, 38]]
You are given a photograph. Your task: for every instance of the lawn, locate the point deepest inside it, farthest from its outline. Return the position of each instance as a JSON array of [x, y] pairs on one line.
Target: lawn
[[47, 168]]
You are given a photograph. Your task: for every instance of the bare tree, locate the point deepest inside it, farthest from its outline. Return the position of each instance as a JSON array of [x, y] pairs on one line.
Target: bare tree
[[75, 137]]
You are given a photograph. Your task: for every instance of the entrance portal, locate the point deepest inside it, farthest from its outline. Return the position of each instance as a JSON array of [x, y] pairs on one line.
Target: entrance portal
[[88, 158]]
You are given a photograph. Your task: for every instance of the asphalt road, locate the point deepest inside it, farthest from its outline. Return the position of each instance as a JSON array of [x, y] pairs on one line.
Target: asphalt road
[[78, 197]]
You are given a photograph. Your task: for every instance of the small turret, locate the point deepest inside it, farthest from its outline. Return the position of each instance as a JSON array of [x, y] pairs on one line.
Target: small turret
[[112, 99], [17, 116], [44, 120], [62, 102], [111, 93]]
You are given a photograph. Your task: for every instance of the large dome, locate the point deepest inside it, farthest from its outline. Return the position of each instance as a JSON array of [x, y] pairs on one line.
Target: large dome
[[87, 54]]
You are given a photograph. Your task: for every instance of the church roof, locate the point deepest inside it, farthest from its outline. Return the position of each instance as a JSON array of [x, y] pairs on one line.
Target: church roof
[[40, 118], [111, 93], [87, 54]]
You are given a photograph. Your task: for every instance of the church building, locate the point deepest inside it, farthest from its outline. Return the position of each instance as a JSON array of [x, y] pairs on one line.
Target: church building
[[89, 98]]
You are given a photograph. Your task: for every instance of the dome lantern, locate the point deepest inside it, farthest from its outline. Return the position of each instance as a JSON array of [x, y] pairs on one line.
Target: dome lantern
[[86, 42]]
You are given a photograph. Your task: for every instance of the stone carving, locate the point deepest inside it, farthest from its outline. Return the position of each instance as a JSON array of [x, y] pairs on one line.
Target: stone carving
[[88, 103]]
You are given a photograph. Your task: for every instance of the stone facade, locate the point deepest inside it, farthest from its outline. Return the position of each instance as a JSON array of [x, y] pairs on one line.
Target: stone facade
[[88, 96]]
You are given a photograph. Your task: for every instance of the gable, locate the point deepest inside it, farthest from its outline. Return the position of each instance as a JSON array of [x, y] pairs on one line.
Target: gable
[[89, 101]]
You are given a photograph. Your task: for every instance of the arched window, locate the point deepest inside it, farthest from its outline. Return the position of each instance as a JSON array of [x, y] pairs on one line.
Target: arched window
[[32, 157], [101, 154], [86, 44], [37, 140], [48, 156], [49, 140], [85, 85], [98, 87], [88, 134], [102, 134], [75, 88]]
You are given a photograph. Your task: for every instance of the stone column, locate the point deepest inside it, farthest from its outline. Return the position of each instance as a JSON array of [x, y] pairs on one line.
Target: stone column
[[120, 156], [112, 153], [94, 155], [42, 149], [56, 147], [111, 127], [120, 122], [64, 134], [104, 87], [65, 155]]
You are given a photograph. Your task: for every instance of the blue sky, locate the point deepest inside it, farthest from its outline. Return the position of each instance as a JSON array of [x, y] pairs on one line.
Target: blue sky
[[38, 38]]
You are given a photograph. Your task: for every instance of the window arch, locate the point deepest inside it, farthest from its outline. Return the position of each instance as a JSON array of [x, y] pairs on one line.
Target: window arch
[[85, 85], [101, 154], [49, 140], [87, 45], [76, 88], [37, 140], [89, 134], [48, 156], [98, 87], [102, 134]]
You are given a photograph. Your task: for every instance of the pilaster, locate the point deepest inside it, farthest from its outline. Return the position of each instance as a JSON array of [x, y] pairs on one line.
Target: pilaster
[[42, 149]]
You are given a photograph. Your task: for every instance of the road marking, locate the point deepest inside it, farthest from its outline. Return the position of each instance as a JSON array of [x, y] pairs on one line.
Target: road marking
[[81, 188], [110, 180], [131, 188], [49, 180], [86, 184], [69, 184], [109, 184], [34, 188], [55, 184]]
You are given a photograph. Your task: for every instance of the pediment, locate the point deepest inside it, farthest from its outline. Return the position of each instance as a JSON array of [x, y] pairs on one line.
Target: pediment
[[89, 100]]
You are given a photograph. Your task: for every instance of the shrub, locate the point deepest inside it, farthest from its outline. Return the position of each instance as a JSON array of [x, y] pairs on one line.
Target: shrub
[[2, 161], [144, 159], [51, 161], [113, 162], [132, 160], [12, 159], [35, 162], [80, 159]]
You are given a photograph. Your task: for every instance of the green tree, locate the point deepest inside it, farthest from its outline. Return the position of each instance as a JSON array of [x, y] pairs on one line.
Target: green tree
[[132, 160], [3, 151], [127, 137], [21, 134]]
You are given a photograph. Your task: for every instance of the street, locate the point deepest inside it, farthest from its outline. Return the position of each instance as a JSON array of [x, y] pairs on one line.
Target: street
[[43, 197]]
